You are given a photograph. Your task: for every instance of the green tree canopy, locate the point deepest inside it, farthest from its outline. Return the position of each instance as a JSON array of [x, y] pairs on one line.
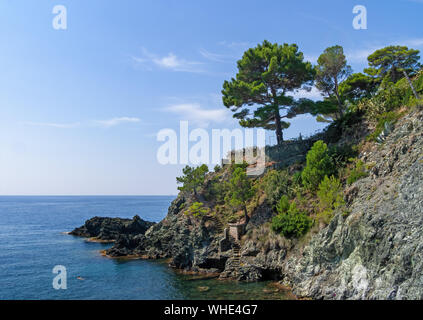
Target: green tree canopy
[[392, 63], [358, 86], [239, 191], [192, 178], [266, 74], [318, 165], [331, 70]]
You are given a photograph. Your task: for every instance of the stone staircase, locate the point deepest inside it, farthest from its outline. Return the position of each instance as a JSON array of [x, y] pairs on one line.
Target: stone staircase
[[236, 253], [218, 224]]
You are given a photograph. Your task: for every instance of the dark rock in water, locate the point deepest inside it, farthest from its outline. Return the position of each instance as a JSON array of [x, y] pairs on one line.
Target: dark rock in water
[[108, 229], [192, 244]]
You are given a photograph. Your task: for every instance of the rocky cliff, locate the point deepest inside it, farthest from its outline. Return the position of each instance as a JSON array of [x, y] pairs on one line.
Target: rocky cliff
[[371, 249], [374, 251]]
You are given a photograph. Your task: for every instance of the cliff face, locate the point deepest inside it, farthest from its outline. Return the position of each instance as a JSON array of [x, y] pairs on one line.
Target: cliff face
[[376, 251], [191, 244]]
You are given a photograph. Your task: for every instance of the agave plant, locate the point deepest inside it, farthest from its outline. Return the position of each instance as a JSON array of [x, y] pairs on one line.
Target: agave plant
[[387, 130]]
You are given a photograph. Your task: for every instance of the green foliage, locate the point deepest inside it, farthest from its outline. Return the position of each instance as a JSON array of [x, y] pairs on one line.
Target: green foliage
[[217, 168], [331, 70], [197, 209], [240, 190], [235, 166], [290, 221], [330, 196], [216, 190], [283, 204], [341, 154], [358, 86], [357, 172], [319, 164], [265, 75], [192, 178], [275, 184], [333, 132], [296, 178], [389, 64], [388, 99]]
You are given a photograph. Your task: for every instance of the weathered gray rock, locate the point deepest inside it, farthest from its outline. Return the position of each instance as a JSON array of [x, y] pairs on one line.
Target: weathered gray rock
[[189, 242], [376, 252], [103, 228]]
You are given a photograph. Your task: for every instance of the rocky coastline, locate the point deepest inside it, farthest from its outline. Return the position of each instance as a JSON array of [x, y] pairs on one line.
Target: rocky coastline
[[373, 249]]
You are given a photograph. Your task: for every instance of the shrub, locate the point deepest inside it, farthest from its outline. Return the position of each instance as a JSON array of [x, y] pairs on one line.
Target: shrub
[[341, 154], [275, 184], [291, 223], [192, 178], [197, 209], [330, 196], [357, 172], [216, 190], [386, 100], [319, 164], [283, 204], [240, 191]]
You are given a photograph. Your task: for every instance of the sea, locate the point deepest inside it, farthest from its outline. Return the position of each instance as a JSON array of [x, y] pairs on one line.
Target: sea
[[33, 241]]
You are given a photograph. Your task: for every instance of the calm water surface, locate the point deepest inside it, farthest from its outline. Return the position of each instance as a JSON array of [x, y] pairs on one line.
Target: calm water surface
[[32, 243]]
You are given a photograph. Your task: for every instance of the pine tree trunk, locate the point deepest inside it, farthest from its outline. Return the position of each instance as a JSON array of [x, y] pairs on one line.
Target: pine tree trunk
[[338, 98], [279, 134], [411, 85], [247, 218]]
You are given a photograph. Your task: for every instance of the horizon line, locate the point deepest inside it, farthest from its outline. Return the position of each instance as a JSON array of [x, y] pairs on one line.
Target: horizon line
[[87, 195]]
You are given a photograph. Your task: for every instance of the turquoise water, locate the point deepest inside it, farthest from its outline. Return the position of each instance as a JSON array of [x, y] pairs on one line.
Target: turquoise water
[[32, 243]]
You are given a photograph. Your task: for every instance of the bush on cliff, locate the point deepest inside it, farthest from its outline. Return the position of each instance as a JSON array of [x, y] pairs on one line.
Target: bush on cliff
[[330, 196], [197, 209], [319, 164], [240, 191], [357, 172], [275, 185], [290, 221], [192, 178]]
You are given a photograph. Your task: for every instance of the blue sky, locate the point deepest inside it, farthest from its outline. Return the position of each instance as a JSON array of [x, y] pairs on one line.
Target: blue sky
[[80, 108]]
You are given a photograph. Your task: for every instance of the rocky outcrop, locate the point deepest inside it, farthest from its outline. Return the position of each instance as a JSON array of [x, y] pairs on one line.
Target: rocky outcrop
[[110, 229], [190, 243], [375, 250], [372, 248]]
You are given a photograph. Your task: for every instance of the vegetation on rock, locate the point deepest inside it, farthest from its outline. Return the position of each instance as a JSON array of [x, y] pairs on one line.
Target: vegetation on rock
[[192, 178]]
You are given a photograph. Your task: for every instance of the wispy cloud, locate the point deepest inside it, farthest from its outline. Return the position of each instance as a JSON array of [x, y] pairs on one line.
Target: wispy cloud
[[201, 116], [116, 121], [169, 62], [94, 123], [216, 57], [52, 124]]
